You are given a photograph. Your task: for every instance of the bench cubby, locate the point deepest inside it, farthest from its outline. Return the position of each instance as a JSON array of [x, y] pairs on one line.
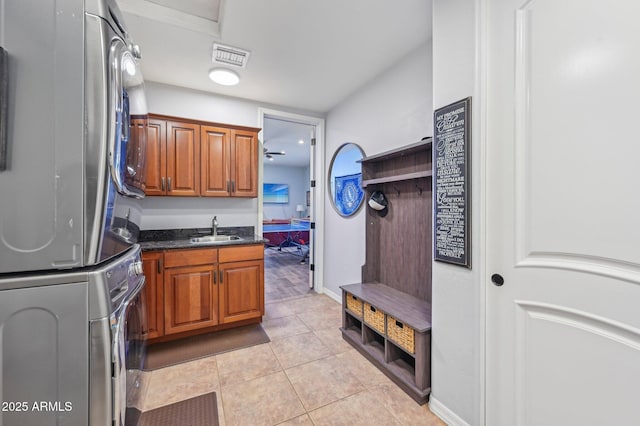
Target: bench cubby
[[409, 369], [387, 317]]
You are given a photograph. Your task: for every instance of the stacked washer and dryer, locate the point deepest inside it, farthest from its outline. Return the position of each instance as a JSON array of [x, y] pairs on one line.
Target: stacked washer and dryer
[[72, 143]]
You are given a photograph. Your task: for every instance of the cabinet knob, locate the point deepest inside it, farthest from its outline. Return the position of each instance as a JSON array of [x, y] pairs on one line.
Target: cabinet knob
[[497, 280]]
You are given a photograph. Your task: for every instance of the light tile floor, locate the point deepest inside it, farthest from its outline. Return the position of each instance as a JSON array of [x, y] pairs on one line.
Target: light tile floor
[[306, 375]]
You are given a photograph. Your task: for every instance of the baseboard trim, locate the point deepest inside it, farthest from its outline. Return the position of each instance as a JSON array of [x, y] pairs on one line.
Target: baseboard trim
[[332, 295], [445, 414]]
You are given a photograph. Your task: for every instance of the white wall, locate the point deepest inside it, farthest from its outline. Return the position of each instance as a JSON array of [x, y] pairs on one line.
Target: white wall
[[457, 344], [194, 212], [197, 212], [298, 180], [393, 110], [188, 103]]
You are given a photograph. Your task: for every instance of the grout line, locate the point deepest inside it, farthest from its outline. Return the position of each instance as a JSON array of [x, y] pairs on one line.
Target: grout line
[[275, 356], [297, 395], [221, 411]]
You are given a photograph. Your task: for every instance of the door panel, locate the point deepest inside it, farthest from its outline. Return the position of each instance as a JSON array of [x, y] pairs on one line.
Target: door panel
[[215, 148], [568, 139], [154, 293], [241, 290], [311, 203], [563, 334], [136, 157], [190, 298], [155, 161], [183, 165], [574, 365], [244, 165]]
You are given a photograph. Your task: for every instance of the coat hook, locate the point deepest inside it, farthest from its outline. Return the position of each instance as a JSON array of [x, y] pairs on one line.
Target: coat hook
[[419, 189], [397, 190]]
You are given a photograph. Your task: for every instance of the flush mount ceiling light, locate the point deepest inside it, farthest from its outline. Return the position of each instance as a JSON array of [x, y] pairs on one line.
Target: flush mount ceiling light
[[224, 76]]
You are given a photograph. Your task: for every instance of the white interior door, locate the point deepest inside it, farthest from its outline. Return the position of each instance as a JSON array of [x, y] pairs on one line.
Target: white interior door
[[563, 174], [312, 204]]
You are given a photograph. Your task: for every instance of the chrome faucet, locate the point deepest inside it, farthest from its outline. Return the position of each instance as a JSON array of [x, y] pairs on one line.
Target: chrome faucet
[[214, 225]]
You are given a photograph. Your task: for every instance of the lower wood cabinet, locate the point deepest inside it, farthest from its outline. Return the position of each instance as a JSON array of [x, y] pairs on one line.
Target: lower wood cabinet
[[193, 289], [190, 298], [154, 293], [241, 290]]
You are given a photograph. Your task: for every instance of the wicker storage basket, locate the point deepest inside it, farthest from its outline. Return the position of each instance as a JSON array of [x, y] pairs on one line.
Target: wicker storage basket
[[354, 304], [401, 334], [374, 317]]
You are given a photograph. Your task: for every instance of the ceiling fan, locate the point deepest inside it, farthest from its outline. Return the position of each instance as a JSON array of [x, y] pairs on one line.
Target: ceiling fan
[[269, 154]]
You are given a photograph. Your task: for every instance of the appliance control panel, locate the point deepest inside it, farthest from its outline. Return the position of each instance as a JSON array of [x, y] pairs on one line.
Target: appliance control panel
[[123, 277], [135, 268]]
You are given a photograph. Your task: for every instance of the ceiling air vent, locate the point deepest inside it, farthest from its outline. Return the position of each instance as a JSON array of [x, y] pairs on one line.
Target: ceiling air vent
[[230, 55]]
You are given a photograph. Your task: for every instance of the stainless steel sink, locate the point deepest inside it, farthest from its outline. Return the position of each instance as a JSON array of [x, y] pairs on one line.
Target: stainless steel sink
[[214, 239]]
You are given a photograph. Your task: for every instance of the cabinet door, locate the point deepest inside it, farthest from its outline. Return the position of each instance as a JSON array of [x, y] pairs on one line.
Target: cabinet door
[[156, 157], [215, 155], [154, 293], [241, 290], [190, 298], [244, 163], [183, 154], [138, 133]]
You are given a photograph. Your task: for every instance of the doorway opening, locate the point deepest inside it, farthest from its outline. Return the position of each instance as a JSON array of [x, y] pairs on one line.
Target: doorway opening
[[289, 203]]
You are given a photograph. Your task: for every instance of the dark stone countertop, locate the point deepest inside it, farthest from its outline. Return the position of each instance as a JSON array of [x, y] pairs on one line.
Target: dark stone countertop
[[164, 239]]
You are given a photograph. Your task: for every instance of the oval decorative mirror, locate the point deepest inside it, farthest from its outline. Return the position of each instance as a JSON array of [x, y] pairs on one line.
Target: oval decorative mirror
[[345, 179]]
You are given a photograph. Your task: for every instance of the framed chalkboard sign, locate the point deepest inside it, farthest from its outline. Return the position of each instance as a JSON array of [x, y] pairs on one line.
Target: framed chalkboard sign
[[451, 232]]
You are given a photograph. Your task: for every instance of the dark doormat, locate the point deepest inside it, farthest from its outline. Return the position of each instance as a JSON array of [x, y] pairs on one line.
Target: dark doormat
[[175, 352], [199, 411]]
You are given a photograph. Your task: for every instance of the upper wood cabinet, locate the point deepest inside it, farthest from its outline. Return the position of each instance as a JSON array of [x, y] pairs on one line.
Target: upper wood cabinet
[[215, 157], [201, 159], [173, 151], [228, 162], [244, 163], [156, 158]]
